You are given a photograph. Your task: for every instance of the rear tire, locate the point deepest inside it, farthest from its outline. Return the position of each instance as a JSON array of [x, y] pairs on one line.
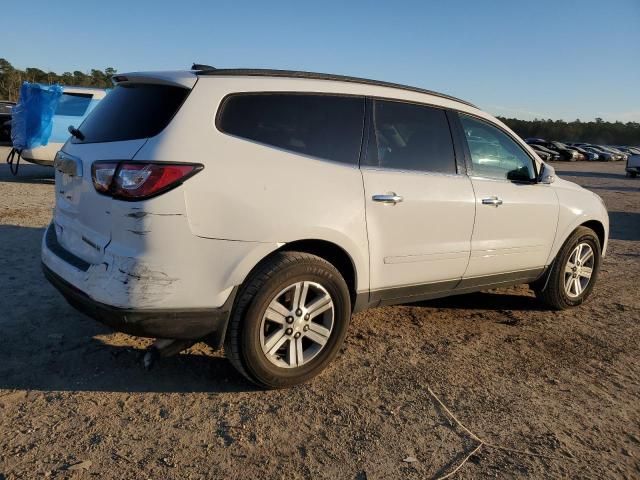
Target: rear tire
[[567, 284], [275, 337]]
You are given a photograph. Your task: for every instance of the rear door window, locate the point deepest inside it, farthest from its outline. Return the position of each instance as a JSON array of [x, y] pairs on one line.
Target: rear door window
[[324, 126], [410, 137], [131, 112], [73, 104]]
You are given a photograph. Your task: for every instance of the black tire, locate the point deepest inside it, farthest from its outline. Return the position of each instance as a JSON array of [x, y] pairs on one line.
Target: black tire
[[632, 174], [552, 291], [242, 343]]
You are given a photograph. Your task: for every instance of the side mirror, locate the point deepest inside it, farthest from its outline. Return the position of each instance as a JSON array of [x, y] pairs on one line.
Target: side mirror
[[547, 174]]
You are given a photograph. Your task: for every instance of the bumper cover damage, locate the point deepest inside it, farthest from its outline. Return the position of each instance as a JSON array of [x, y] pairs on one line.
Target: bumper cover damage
[[195, 324]]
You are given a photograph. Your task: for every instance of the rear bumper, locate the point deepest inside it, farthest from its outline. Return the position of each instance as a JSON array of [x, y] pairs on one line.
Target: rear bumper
[[184, 324]]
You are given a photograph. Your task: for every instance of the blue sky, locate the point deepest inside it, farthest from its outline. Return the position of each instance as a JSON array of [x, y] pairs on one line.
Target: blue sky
[[563, 59]]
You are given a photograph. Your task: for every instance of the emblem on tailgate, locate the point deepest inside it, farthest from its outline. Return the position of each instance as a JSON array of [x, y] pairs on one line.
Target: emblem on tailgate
[[68, 164]]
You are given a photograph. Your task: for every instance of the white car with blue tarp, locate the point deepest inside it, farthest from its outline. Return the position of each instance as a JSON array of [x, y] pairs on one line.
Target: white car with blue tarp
[[41, 120]]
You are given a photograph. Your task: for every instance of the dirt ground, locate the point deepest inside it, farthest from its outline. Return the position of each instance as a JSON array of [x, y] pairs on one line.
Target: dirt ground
[[75, 401]]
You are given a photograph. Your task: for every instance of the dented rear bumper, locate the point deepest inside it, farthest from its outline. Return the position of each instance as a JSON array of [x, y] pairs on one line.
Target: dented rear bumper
[[126, 294], [193, 324]]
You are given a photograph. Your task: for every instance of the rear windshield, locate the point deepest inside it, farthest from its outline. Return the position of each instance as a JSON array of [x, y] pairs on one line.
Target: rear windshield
[[323, 126], [131, 112], [73, 104]]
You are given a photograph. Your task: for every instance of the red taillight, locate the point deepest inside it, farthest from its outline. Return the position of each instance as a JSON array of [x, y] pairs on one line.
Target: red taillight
[[139, 180]]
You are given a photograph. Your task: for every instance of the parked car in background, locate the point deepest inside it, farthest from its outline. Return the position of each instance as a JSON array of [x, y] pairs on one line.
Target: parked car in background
[[73, 107], [592, 156], [633, 162], [554, 156], [5, 121], [618, 152], [194, 206], [629, 150], [544, 156], [602, 155], [616, 155], [580, 156], [565, 152], [633, 166]]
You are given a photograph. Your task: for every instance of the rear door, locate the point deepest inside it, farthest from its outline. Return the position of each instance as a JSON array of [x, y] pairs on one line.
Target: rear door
[[115, 130], [419, 207], [516, 217]]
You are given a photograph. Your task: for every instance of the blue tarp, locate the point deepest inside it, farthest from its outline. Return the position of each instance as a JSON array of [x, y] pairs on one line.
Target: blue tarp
[[32, 117]]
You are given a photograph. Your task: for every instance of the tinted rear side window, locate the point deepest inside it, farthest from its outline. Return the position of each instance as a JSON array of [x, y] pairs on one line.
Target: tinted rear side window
[[324, 126], [131, 112], [73, 104], [410, 137]]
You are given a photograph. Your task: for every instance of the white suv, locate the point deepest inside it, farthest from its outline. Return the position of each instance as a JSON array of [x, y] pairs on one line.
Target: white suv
[[259, 209]]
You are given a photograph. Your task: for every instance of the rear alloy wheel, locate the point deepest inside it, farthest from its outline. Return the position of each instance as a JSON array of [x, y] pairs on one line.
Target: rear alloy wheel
[[290, 320], [297, 324], [573, 273]]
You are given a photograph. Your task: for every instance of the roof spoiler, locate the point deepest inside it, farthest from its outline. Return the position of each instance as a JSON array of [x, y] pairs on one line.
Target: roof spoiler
[[202, 66]]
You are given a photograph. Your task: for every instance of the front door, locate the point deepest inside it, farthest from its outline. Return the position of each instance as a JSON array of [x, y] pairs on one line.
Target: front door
[[516, 218]]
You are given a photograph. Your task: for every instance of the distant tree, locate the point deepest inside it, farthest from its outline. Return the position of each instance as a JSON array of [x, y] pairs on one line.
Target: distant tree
[[11, 78], [597, 131]]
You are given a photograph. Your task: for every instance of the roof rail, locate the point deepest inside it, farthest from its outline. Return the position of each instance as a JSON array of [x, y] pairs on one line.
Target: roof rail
[[259, 72]]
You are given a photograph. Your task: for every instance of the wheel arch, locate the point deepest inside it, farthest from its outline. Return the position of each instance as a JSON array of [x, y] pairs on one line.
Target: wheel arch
[[596, 225], [331, 252]]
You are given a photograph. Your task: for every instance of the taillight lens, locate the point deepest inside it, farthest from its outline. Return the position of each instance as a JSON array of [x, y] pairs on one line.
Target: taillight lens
[[139, 180], [102, 174]]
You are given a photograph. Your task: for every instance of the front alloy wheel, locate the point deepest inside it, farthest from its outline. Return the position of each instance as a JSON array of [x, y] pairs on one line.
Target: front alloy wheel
[[578, 270], [573, 272]]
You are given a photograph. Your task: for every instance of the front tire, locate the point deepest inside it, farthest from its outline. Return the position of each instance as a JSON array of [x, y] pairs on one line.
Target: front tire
[[574, 271], [290, 320]]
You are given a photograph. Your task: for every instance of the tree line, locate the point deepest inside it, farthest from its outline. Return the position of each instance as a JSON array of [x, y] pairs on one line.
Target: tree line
[[597, 131], [11, 78]]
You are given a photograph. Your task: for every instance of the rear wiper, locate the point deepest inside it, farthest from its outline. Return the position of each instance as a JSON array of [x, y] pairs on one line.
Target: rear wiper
[[76, 133]]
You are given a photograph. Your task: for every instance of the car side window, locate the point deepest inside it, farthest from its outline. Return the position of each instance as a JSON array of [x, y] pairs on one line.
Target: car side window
[[494, 154], [324, 126], [410, 137]]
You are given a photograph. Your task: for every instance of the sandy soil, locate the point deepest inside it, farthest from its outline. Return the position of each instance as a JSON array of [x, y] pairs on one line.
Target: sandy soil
[[75, 401]]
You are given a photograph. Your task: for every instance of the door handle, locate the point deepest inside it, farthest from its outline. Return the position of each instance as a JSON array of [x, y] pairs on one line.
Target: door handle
[[495, 201], [389, 198]]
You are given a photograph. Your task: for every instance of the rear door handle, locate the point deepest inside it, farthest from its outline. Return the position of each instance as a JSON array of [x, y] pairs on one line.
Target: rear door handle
[[389, 198], [495, 201]]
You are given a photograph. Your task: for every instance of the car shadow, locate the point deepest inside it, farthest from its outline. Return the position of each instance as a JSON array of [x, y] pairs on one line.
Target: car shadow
[[490, 300], [613, 188], [570, 173], [624, 226], [46, 345], [27, 173]]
